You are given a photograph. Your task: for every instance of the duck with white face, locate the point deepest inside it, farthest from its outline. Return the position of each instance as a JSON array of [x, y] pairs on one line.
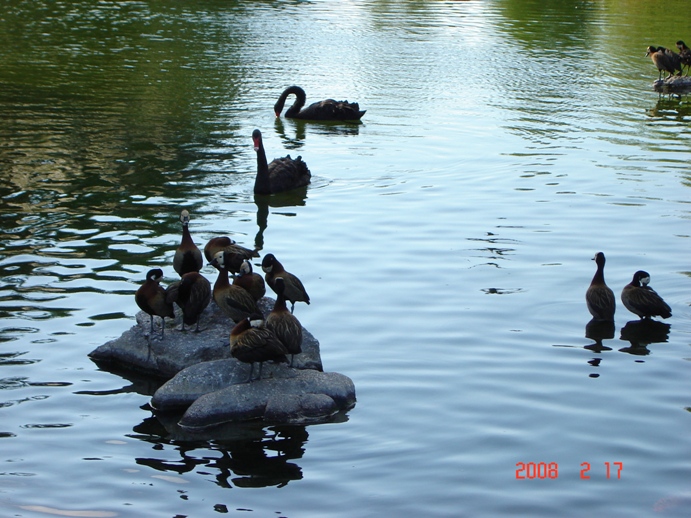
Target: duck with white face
[[234, 300], [640, 299], [251, 341], [294, 290]]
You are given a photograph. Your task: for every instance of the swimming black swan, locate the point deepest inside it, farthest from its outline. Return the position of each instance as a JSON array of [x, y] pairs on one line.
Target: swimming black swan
[[328, 110], [282, 174]]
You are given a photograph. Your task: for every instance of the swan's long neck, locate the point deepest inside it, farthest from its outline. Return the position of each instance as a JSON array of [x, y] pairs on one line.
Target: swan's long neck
[[300, 99], [261, 182]]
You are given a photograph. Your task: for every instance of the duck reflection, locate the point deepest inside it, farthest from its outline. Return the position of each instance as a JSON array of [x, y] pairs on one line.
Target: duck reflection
[[641, 333], [246, 455], [599, 330]]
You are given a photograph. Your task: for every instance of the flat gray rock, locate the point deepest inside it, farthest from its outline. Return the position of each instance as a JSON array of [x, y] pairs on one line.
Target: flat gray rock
[[164, 358], [297, 396], [212, 388]]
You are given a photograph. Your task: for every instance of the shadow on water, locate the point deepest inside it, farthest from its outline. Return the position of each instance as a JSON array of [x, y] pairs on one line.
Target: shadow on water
[[293, 198], [641, 333], [246, 455]]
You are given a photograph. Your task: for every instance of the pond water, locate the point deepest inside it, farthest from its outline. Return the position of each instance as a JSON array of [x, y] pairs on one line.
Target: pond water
[[446, 244]]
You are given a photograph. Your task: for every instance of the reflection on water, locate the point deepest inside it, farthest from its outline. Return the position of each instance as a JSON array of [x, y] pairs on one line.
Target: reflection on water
[[503, 140]]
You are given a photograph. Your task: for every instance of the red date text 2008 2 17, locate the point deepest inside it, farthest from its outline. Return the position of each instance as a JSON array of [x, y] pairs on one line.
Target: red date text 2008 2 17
[[546, 470]]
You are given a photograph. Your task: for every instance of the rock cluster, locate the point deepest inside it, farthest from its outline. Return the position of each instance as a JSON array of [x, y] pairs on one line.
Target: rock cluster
[[211, 387]]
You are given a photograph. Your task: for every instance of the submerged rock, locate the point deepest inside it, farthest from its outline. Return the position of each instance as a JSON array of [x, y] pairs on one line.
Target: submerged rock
[[212, 388]]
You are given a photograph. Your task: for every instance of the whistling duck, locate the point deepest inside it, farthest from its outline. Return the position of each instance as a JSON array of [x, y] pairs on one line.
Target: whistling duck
[[599, 297], [328, 110], [234, 300], [642, 300], [294, 290], [236, 253], [664, 59], [684, 55], [282, 174], [187, 258], [251, 342], [192, 293], [250, 280], [151, 298], [283, 323]]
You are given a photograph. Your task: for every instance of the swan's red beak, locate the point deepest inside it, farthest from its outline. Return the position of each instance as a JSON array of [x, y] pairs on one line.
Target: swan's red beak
[[278, 114], [256, 144]]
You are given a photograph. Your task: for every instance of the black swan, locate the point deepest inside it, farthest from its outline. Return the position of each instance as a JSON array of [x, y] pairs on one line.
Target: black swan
[[599, 297], [187, 258], [328, 110], [642, 300], [282, 174], [151, 298], [294, 290]]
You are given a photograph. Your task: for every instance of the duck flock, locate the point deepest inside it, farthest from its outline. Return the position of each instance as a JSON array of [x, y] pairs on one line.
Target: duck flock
[[666, 60], [253, 339]]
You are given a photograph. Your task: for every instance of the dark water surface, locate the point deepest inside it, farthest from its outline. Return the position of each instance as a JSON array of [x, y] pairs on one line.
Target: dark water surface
[[445, 242]]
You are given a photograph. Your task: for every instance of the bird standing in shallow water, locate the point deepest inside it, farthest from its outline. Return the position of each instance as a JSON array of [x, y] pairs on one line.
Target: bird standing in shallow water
[[282, 174], [192, 293], [599, 297], [642, 300], [151, 298], [236, 253], [188, 258], [251, 342], [234, 300], [294, 290], [251, 281], [284, 325], [327, 110]]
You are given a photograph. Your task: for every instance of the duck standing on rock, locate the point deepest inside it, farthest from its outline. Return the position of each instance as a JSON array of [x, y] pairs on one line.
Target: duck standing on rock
[[282, 174], [283, 323], [236, 253], [250, 280], [251, 341], [151, 298], [642, 300], [188, 258], [234, 300], [599, 297], [664, 59], [328, 110], [294, 291], [684, 55], [192, 293]]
